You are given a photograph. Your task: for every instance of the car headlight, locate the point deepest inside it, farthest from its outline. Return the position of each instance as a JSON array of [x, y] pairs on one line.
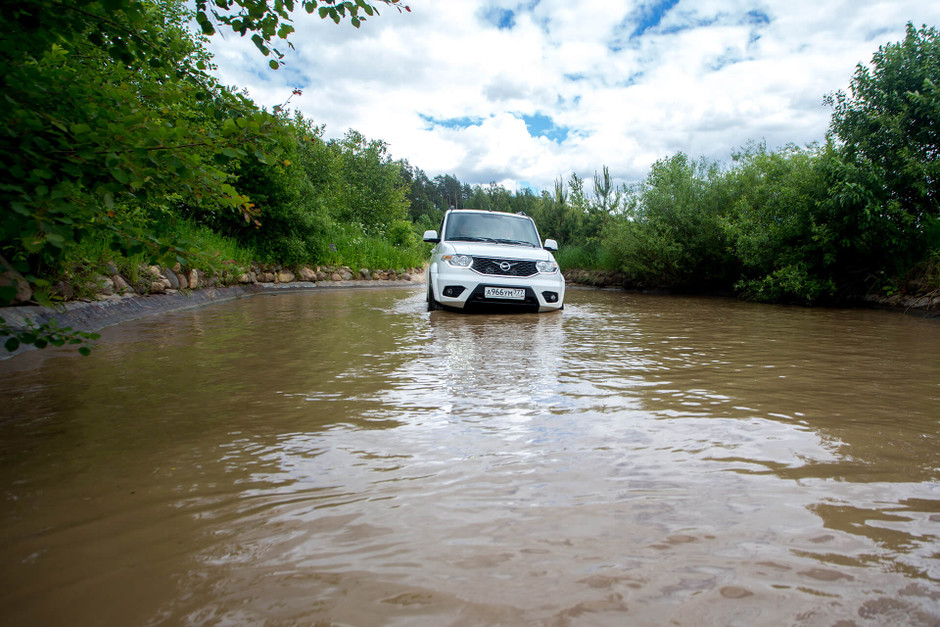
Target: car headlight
[[460, 261], [546, 267]]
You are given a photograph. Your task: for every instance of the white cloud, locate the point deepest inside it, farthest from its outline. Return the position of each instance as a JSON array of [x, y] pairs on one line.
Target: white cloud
[[704, 77]]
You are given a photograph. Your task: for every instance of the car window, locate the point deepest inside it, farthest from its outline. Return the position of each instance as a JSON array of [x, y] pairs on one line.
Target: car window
[[491, 227]]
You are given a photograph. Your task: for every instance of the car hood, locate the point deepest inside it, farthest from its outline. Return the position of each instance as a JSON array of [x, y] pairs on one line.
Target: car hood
[[507, 251]]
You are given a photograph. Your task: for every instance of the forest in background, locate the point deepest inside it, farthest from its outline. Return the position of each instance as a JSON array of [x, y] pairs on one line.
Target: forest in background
[[119, 147]]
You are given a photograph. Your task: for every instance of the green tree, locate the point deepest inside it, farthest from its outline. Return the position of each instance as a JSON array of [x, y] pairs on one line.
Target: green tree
[[100, 131], [608, 200], [883, 170], [374, 190], [421, 197], [782, 251], [109, 118], [673, 235]]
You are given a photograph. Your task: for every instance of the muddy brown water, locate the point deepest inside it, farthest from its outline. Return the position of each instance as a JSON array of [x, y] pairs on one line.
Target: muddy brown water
[[345, 457]]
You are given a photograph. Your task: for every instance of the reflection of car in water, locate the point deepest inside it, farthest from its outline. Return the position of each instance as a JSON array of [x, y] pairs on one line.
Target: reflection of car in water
[[487, 259]]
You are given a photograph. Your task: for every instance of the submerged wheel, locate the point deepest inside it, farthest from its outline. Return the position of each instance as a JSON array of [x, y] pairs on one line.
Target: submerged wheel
[[433, 305]]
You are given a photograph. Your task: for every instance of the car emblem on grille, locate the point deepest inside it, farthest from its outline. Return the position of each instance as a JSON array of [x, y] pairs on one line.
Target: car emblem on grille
[[505, 266]]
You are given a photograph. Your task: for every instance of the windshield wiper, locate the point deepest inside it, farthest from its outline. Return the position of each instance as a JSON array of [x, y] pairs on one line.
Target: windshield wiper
[[515, 241], [467, 238]]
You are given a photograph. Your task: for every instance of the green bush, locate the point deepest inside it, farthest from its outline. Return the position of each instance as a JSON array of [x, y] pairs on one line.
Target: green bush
[[401, 234], [591, 256], [671, 235]]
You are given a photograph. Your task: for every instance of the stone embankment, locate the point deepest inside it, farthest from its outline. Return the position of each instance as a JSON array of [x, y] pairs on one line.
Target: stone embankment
[[158, 280], [113, 297]]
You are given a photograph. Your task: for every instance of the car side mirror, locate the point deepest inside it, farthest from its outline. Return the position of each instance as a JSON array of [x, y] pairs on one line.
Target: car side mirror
[[431, 236], [551, 245]]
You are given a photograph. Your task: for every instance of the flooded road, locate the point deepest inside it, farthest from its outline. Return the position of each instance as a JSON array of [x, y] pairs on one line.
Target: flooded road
[[345, 457]]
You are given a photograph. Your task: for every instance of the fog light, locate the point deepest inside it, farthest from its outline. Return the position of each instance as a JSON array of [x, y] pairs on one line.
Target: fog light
[[453, 291], [550, 297]]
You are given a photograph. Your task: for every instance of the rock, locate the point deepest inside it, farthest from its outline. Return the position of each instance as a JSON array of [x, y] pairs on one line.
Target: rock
[[245, 278], [103, 285], [142, 286], [120, 285], [194, 279], [307, 274], [336, 277], [62, 290], [364, 274], [266, 277], [170, 277], [157, 287], [285, 276], [111, 268], [181, 277], [406, 277], [322, 276], [23, 293]]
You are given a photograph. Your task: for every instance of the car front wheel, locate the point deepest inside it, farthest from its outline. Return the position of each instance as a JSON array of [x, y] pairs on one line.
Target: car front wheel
[[433, 305]]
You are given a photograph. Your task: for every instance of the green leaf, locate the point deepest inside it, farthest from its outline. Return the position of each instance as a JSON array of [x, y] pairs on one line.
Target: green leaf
[[273, 64], [12, 344], [259, 44], [85, 351], [55, 239], [205, 24], [32, 243]]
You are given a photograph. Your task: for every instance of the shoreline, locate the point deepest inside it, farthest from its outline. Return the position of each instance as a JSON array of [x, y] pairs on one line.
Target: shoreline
[[926, 305], [93, 315]]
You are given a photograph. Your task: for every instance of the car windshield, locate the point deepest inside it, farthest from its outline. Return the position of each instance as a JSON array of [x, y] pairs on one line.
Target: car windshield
[[497, 228]]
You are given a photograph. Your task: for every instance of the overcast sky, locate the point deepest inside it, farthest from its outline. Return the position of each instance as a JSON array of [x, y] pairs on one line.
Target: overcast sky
[[521, 93]]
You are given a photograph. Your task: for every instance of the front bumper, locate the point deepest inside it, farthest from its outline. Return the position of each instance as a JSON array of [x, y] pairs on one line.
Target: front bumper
[[463, 288]]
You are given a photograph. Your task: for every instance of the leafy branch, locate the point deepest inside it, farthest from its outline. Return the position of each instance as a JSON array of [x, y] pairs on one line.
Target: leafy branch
[[269, 21], [43, 335]]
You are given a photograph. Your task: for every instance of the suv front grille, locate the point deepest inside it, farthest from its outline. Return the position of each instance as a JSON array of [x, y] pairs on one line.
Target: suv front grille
[[504, 267]]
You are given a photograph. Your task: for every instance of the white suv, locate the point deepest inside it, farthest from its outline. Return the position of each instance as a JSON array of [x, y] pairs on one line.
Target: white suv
[[485, 259]]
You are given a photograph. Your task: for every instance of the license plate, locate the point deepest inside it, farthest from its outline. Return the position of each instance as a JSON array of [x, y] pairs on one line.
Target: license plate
[[510, 293]]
